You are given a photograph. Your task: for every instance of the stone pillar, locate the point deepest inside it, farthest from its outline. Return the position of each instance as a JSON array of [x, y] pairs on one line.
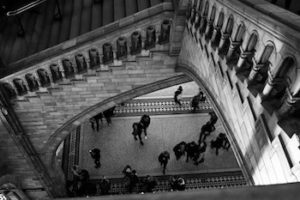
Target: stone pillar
[[254, 71], [202, 25], [224, 37], [208, 31], [288, 105], [244, 55], [215, 37], [233, 46], [196, 24]]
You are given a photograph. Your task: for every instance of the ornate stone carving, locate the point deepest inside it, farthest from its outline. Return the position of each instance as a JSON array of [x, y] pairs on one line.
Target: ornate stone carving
[[32, 82], [56, 73], [44, 77], [20, 86], [68, 68], [94, 58], [136, 43], [81, 63], [150, 37], [121, 48], [165, 32], [108, 55], [9, 90]]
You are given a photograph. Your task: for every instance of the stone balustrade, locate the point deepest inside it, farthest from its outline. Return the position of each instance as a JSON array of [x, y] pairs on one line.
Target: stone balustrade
[[90, 58]]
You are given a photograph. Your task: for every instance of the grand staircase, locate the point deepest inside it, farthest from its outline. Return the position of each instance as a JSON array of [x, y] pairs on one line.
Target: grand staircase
[[78, 17]]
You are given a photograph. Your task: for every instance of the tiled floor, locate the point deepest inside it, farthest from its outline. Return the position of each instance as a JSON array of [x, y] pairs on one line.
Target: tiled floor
[[118, 148]]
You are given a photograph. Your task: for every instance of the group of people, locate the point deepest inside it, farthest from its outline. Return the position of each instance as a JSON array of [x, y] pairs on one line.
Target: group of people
[[196, 100], [107, 114], [193, 151]]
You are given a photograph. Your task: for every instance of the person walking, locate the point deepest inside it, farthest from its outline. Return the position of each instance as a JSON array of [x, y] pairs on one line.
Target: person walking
[[206, 129], [177, 95], [191, 150], [95, 154], [179, 150], [145, 122], [163, 159], [137, 131]]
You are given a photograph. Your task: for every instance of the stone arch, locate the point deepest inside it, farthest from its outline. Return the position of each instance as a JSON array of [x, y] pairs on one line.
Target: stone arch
[[283, 78], [68, 68], [209, 28], [81, 63], [94, 58], [240, 32], [56, 73], [43, 77], [229, 25], [206, 9], [252, 42], [20, 86], [10, 91], [220, 20], [192, 71], [59, 135], [31, 82]]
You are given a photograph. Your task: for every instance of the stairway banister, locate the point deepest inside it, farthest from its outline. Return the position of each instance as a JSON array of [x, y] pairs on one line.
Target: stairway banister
[[85, 39]]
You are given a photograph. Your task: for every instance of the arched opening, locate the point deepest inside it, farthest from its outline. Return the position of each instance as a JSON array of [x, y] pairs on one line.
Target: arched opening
[[224, 46], [32, 82], [245, 62], [235, 52], [94, 58], [203, 22], [80, 63], [210, 26], [68, 68], [112, 102], [43, 77], [216, 37]]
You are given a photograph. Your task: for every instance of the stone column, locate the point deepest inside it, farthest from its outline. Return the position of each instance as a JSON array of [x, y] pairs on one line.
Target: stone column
[[255, 69], [202, 25], [232, 48], [288, 105], [196, 24], [244, 55], [214, 37], [208, 31], [224, 37]]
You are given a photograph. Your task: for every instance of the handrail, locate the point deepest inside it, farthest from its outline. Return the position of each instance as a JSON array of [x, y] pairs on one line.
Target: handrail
[[85, 38], [24, 8], [272, 192]]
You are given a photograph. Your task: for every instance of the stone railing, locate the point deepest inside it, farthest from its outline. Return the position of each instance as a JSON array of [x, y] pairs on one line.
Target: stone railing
[[254, 48], [97, 55]]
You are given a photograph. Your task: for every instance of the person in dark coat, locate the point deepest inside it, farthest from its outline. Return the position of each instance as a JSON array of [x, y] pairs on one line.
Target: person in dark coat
[[179, 150], [98, 117], [108, 114], [104, 186], [195, 102], [92, 122], [177, 94], [191, 150], [145, 122], [213, 119], [133, 181], [95, 154], [127, 170], [137, 131], [217, 143], [149, 184], [163, 159], [206, 129], [199, 156], [225, 143]]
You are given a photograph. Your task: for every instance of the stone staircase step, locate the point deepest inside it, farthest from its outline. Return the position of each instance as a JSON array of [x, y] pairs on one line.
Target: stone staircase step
[[96, 15], [66, 21], [47, 25], [107, 12], [75, 21], [155, 2], [119, 9], [130, 7], [143, 4], [86, 16]]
